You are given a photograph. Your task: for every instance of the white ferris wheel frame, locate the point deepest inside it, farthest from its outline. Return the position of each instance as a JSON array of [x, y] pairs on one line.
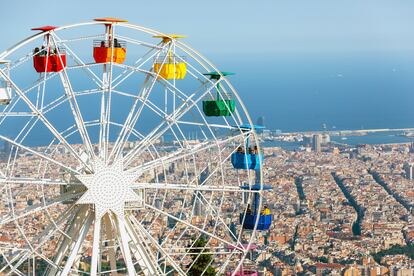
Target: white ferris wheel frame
[[130, 229]]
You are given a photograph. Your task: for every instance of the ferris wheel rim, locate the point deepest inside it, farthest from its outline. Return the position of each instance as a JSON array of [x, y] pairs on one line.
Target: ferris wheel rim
[[185, 48]]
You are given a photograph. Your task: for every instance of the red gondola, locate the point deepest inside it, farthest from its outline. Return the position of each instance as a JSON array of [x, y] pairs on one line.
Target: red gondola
[[48, 59]]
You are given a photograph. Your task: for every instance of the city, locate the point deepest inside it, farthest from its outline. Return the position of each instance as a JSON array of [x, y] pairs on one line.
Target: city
[[225, 138], [341, 211]]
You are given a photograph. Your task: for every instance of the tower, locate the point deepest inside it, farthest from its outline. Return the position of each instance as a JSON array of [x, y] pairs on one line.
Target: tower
[[316, 143], [198, 205], [408, 170], [260, 122]]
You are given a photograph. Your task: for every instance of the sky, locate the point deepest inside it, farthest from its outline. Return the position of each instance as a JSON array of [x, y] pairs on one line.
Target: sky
[[299, 63], [237, 26]]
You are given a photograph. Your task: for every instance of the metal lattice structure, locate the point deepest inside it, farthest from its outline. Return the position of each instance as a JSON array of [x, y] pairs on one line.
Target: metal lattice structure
[[109, 164]]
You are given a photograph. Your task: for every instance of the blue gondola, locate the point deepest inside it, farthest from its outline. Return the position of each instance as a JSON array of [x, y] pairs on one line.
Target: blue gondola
[[248, 160], [263, 224], [248, 219]]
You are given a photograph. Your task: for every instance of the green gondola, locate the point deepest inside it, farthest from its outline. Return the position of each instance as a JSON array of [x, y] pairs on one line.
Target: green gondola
[[223, 105]]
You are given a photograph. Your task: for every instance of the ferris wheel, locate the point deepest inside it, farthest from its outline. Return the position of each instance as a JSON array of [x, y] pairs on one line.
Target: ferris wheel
[[124, 151]]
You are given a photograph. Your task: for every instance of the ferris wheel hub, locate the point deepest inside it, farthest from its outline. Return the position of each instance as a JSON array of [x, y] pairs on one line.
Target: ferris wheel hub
[[109, 188]]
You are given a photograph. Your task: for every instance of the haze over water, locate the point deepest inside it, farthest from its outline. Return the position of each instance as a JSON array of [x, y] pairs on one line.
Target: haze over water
[[349, 90]]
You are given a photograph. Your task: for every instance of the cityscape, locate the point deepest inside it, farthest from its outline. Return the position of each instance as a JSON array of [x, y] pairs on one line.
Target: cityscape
[[337, 210], [207, 139]]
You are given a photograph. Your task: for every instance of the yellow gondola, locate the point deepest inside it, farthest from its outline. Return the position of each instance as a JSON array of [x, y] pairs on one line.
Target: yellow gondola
[[171, 66]]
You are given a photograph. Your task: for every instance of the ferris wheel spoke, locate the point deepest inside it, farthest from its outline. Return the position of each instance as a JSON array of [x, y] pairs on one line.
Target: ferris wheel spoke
[[40, 83], [194, 227], [162, 114], [34, 181], [107, 85], [226, 126], [137, 65], [68, 238], [45, 121], [108, 226], [146, 260], [44, 237], [40, 207], [80, 237], [38, 154], [155, 244], [13, 268], [145, 93], [124, 240], [161, 128], [78, 60], [182, 153], [215, 212], [130, 120], [77, 115], [96, 245], [191, 187]]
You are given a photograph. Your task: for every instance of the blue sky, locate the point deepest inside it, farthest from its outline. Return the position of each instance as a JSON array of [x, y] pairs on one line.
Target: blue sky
[[299, 63], [237, 27]]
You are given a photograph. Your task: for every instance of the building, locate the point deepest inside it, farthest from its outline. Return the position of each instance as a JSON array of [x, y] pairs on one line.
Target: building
[[198, 209], [325, 139], [198, 206], [316, 143], [408, 170], [260, 121]]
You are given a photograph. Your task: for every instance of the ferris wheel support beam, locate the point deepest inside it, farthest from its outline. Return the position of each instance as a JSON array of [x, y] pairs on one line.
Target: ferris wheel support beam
[[13, 268], [77, 245], [69, 239], [111, 33], [147, 263], [96, 245], [76, 113], [109, 235], [139, 227], [43, 119], [121, 227]]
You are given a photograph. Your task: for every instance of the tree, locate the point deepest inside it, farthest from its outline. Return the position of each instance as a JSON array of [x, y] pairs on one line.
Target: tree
[[201, 259]]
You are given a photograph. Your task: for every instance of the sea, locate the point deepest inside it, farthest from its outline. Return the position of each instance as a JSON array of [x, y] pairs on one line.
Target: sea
[[296, 92], [339, 91]]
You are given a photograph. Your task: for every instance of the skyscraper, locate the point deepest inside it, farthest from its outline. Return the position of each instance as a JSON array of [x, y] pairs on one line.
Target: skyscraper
[[408, 170], [316, 143], [198, 207], [260, 121], [196, 201]]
